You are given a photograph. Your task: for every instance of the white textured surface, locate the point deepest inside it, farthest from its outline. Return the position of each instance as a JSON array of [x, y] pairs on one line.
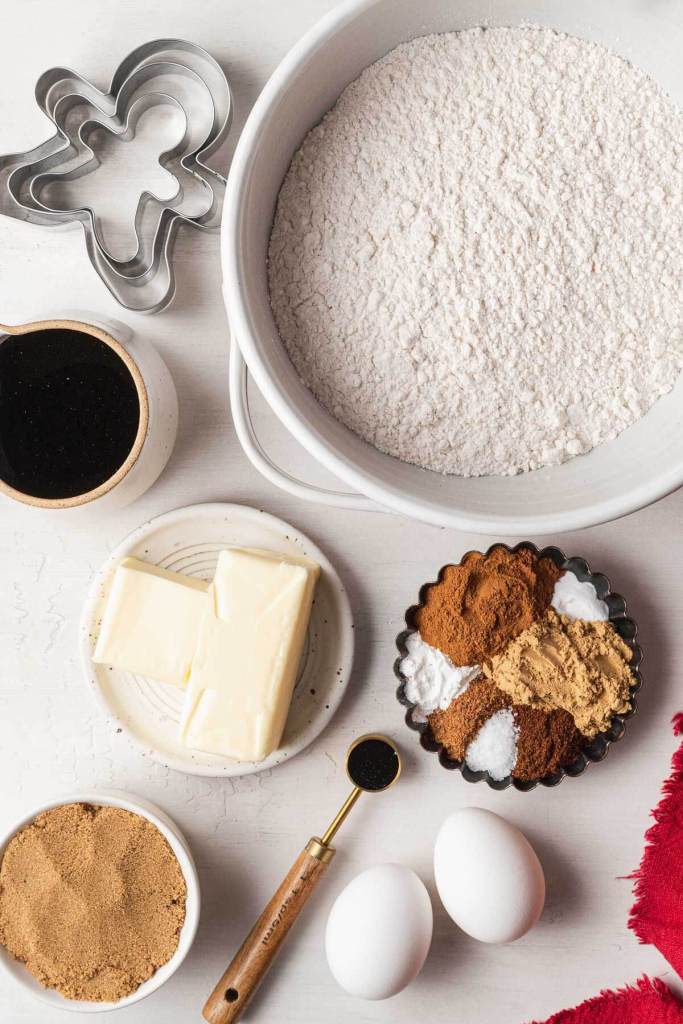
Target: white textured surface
[[245, 832]]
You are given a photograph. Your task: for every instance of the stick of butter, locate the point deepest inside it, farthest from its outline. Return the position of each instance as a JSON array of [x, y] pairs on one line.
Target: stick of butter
[[151, 622], [248, 654]]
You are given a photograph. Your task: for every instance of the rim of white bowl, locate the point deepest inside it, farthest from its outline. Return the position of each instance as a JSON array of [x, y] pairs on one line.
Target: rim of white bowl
[[181, 850], [244, 332]]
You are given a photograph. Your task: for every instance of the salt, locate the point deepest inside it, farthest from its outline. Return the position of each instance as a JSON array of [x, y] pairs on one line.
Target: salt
[[494, 748]]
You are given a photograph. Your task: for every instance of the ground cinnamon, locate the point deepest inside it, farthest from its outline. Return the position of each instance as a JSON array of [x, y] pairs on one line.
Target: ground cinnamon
[[479, 606], [92, 900]]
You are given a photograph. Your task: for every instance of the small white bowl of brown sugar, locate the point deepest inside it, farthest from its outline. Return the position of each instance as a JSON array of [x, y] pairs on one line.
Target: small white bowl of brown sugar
[[99, 901]]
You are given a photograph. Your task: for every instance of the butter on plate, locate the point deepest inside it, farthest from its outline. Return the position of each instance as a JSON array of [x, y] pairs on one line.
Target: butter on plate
[[151, 622], [248, 653]]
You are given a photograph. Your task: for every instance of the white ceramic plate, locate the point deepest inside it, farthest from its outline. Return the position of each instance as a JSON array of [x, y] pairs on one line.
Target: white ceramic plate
[[188, 540], [177, 842]]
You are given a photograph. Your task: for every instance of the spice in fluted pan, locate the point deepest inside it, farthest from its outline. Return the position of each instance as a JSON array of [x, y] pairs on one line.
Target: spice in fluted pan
[[456, 727], [479, 606], [508, 685], [546, 740], [578, 599], [92, 900], [494, 748], [582, 667], [432, 680]]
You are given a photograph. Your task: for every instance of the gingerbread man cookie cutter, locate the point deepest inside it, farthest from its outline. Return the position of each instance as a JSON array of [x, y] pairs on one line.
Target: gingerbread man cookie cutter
[[146, 78]]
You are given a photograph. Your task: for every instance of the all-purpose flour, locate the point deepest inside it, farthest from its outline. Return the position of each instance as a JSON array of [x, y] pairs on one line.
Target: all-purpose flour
[[477, 257]]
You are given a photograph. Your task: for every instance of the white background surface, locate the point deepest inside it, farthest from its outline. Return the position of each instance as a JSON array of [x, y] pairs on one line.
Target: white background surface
[[246, 832]]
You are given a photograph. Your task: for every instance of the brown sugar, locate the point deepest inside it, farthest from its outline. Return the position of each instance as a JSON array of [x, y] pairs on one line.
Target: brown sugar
[[479, 606], [92, 900]]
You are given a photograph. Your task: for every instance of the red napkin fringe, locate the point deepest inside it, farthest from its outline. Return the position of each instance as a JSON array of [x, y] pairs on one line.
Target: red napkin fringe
[[649, 1001], [653, 915]]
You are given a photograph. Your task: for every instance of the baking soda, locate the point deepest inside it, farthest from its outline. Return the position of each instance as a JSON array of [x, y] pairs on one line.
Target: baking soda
[[432, 680]]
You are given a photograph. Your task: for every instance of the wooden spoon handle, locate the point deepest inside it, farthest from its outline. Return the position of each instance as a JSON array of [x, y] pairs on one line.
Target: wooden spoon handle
[[228, 1000]]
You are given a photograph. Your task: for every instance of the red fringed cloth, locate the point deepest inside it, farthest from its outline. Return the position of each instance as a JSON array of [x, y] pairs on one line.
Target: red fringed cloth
[[657, 915], [646, 1002]]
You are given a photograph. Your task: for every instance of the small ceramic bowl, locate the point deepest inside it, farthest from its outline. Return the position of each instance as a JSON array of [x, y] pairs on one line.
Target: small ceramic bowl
[[177, 842], [593, 750], [157, 427]]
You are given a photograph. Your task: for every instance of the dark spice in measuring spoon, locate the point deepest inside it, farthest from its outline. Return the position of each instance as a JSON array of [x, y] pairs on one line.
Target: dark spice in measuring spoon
[[373, 764], [69, 412]]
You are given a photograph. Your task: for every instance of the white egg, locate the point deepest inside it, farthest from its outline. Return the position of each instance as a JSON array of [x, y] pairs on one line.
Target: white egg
[[488, 876], [379, 931]]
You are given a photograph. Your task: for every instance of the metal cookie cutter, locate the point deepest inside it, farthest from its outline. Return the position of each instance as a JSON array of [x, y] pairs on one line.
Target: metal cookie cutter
[[148, 77]]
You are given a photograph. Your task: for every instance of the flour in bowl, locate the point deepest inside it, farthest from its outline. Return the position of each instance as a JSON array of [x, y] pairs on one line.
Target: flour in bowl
[[476, 261]]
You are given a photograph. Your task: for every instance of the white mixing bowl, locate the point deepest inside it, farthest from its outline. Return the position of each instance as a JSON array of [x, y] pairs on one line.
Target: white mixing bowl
[[643, 464]]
